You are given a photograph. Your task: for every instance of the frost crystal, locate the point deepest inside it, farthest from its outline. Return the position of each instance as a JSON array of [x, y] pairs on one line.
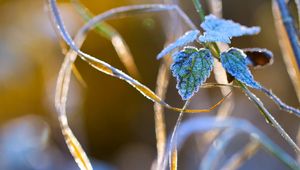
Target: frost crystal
[[191, 68], [234, 62]]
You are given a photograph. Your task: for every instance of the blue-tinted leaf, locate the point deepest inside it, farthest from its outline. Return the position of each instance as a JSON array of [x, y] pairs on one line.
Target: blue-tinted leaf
[[191, 67], [234, 62], [220, 30], [188, 37]]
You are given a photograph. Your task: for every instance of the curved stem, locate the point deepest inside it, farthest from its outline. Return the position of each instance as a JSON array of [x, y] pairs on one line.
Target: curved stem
[[281, 105], [269, 117], [160, 128], [174, 154], [114, 36], [203, 124]]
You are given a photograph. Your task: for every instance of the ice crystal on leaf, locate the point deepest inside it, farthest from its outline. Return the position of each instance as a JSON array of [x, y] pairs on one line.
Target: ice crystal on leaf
[[221, 30], [191, 67], [234, 62]]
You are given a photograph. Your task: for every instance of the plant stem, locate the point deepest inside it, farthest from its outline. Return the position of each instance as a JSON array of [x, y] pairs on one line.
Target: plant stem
[[253, 98], [159, 117], [212, 46], [114, 36], [290, 29], [199, 9], [173, 154], [269, 117]]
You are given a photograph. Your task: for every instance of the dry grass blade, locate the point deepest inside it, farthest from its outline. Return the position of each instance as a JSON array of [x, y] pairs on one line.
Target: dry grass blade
[[65, 73], [287, 52], [62, 88], [114, 36], [162, 84], [105, 67], [237, 160], [61, 93], [270, 119], [226, 108], [64, 49], [174, 160], [74, 146], [211, 158], [221, 77], [161, 89], [202, 124], [289, 28], [78, 75], [173, 153], [215, 85]]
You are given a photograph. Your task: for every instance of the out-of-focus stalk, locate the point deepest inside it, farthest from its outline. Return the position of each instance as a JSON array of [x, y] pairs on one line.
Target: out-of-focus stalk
[[290, 28], [287, 51], [174, 154], [237, 160], [159, 117], [113, 35]]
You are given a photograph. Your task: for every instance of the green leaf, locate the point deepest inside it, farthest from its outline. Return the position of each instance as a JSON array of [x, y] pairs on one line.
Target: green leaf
[[235, 63], [191, 67]]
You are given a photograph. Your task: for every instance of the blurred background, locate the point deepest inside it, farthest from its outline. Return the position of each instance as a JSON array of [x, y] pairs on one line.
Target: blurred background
[[113, 122]]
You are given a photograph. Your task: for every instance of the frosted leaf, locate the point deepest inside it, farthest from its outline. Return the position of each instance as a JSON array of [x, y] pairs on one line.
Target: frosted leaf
[[234, 62], [191, 67], [188, 37], [221, 30]]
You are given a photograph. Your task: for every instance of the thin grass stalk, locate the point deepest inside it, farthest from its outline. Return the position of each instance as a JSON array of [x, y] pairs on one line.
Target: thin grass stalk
[[287, 51], [159, 118], [105, 67], [238, 159], [226, 108], [114, 36], [162, 85], [74, 146], [61, 94], [279, 103], [64, 49], [289, 28], [174, 153], [203, 124], [268, 116], [212, 157], [64, 78]]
